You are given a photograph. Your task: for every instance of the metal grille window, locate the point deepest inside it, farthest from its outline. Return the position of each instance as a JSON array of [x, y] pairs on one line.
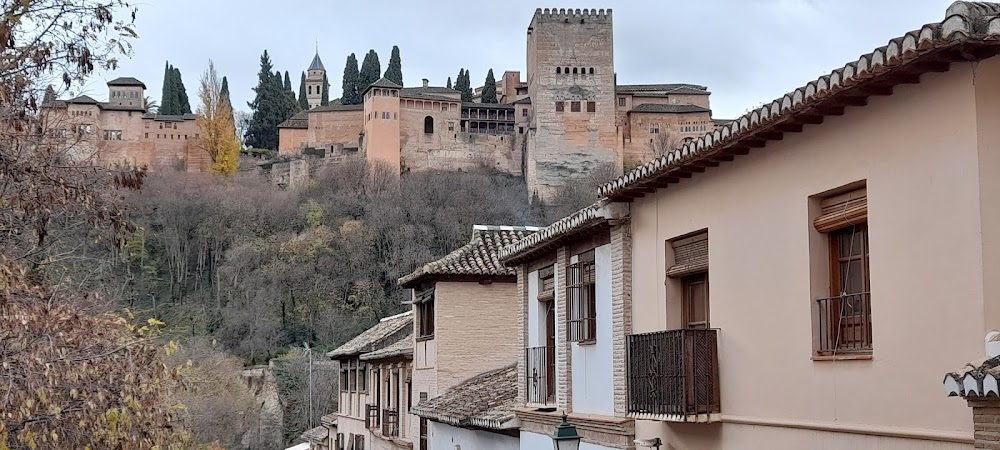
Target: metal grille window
[[574, 106], [581, 299], [845, 324], [591, 106]]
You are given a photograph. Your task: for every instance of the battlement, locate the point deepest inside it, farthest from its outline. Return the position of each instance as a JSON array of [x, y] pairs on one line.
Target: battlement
[[552, 15]]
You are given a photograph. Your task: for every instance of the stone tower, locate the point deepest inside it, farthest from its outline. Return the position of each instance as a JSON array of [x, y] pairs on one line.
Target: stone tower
[[314, 82], [381, 107], [571, 82]]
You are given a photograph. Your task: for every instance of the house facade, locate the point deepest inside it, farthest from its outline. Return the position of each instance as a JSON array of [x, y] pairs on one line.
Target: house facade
[[790, 283], [375, 387], [465, 312], [573, 318]]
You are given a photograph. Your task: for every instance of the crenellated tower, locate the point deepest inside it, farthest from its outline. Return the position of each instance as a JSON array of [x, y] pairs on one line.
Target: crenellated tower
[[571, 82]]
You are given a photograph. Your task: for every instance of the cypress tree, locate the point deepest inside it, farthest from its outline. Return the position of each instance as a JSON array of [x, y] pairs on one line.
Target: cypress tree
[[167, 96], [182, 105], [394, 72], [224, 91], [50, 95], [489, 89], [288, 82], [350, 94], [370, 71], [325, 99], [303, 100], [465, 86], [269, 107], [449, 83]]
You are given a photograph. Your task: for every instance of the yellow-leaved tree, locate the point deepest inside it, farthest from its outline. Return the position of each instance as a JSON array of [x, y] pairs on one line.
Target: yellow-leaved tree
[[215, 119]]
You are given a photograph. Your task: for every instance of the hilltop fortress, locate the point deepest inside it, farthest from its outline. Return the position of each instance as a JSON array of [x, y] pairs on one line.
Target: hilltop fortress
[[569, 117]]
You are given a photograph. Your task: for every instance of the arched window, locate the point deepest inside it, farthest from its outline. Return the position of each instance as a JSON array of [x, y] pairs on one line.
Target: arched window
[[591, 70], [310, 90], [428, 125], [558, 70], [566, 71], [574, 71]]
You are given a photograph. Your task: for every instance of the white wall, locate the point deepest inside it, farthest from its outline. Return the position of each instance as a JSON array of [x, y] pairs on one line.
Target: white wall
[[593, 386], [536, 318], [447, 437], [533, 441]]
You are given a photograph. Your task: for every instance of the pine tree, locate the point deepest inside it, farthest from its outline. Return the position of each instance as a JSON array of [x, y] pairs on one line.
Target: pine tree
[[325, 99], [394, 72], [303, 100], [167, 97], [449, 83], [370, 71], [350, 94], [269, 108], [489, 89]]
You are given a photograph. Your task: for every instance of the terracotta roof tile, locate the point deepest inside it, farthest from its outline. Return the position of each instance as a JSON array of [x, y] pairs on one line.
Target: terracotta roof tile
[[598, 214], [484, 401], [479, 257], [318, 434], [386, 332], [658, 108], [402, 347], [627, 88], [126, 81], [966, 24], [300, 120], [337, 107]]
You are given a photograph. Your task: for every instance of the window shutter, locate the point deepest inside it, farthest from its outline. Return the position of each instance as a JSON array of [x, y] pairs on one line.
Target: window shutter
[[424, 296], [842, 211], [546, 284], [690, 256], [350, 442]]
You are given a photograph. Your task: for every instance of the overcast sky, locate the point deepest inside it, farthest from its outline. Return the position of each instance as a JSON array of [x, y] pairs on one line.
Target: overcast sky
[[746, 51]]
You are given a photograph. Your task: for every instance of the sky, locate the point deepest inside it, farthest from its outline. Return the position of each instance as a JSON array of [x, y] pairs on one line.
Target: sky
[[746, 51]]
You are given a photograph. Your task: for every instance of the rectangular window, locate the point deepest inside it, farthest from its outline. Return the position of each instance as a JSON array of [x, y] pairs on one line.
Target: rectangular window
[[560, 106], [362, 377], [621, 101], [574, 107], [451, 126], [520, 130], [546, 283], [425, 314], [695, 288], [344, 381], [112, 135], [581, 299], [654, 128], [147, 135], [146, 124], [845, 324], [524, 112], [591, 106]]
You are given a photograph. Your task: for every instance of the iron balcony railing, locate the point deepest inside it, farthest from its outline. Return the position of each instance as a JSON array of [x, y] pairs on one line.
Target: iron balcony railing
[[674, 373], [390, 423], [371, 416], [845, 324], [540, 364]]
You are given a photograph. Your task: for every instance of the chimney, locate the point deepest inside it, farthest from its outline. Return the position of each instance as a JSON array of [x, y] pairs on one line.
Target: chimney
[[426, 82]]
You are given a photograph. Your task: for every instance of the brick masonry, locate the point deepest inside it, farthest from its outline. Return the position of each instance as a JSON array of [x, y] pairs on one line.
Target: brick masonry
[[986, 422], [564, 367], [621, 307]]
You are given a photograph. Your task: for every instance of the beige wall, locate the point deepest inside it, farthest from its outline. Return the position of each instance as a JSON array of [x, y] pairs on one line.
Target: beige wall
[[335, 127], [475, 328], [450, 149], [638, 142], [381, 142], [290, 140], [918, 151]]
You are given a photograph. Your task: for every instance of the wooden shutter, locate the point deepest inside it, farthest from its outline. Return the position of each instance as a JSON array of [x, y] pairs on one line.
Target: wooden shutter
[[842, 211], [690, 256], [546, 283], [424, 295]]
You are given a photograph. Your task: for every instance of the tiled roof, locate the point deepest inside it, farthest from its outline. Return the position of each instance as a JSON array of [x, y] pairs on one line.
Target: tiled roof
[[126, 81], [420, 96], [658, 108], [402, 347], [429, 90], [169, 118], [484, 401], [967, 28], [626, 88], [383, 83], [317, 64], [523, 101], [83, 99], [113, 107], [977, 378], [329, 419], [317, 435], [718, 122], [386, 332], [598, 214], [338, 107], [300, 120], [479, 257]]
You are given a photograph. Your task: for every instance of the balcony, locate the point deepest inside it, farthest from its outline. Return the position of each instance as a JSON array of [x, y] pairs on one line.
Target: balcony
[[845, 324], [371, 416], [674, 376], [541, 372], [390, 423]]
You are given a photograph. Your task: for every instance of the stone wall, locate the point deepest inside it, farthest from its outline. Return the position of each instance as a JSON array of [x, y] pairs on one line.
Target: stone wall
[[335, 128], [268, 433], [638, 140]]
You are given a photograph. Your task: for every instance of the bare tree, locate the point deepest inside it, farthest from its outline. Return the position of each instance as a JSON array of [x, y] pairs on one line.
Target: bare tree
[[663, 142]]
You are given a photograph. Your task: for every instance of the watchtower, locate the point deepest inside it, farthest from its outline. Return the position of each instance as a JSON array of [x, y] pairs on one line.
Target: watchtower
[[571, 82], [315, 77]]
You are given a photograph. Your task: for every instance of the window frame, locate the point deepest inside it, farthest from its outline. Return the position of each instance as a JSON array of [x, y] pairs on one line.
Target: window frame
[[425, 316], [560, 106], [581, 299], [574, 106]]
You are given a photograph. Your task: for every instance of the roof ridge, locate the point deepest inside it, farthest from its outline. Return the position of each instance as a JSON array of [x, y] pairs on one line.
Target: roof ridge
[[505, 228], [402, 314]]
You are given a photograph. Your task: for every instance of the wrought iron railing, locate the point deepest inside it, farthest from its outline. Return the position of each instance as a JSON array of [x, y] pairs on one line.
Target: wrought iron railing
[[371, 416], [674, 373], [845, 324], [390, 423], [540, 368]]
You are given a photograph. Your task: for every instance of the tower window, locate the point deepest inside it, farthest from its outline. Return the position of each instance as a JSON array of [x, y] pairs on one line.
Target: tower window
[[574, 106], [591, 70], [310, 90], [558, 70], [429, 125], [566, 71], [574, 71], [560, 106], [591, 106]]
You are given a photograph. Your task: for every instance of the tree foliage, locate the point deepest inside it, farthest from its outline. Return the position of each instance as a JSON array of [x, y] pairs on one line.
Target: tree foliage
[[371, 71], [271, 106], [351, 95], [79, 380], [489, 89], [303, 99], [449, 83], [464, 85], [325, 96], [174, 100], [394, 72], [216, 122]]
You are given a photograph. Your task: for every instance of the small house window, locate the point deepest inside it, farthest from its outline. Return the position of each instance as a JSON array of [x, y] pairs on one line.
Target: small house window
[[581, 299], [425, 313], [621, 101], [429, 125]]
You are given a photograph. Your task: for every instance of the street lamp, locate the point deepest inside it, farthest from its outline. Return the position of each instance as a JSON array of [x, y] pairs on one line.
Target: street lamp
[[565, 436]]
